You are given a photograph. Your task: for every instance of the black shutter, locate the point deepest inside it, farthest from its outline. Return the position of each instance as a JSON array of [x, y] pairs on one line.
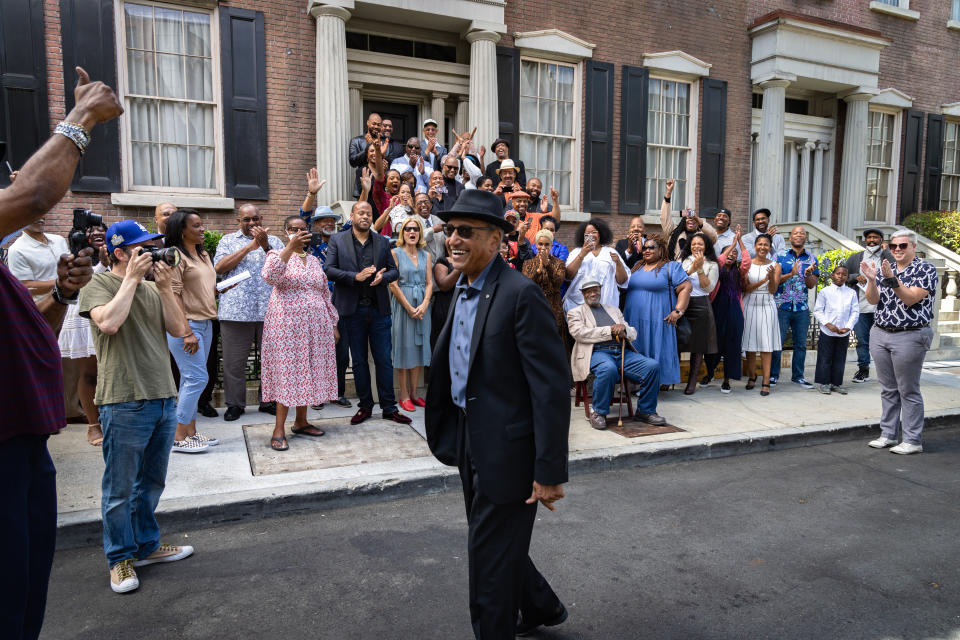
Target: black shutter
[[508, 97], [712, 142], [86, 28], [243, 51], [634, 91], [598, 138], [24, 119], [934, 162], [912, 159]]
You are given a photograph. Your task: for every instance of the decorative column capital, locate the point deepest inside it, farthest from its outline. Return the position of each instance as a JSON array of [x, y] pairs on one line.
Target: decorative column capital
[[436, 95], [775, 80], [810, 145], [339, 10], [355, 85], [860, 94], [482, 34]]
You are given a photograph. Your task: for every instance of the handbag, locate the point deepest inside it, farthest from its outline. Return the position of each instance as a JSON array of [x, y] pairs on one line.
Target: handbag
[[684, 328]]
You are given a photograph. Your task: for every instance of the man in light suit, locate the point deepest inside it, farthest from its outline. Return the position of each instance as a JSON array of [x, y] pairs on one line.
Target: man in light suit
[[360, 266], [599, 331], [511, 448]]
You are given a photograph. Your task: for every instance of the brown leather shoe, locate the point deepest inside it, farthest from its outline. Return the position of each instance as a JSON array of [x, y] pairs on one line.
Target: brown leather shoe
[[361, 415], [396, 416], [598, 421]]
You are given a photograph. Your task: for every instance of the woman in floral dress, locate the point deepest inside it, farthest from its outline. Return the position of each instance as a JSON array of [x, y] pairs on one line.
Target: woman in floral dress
[[298, 363]]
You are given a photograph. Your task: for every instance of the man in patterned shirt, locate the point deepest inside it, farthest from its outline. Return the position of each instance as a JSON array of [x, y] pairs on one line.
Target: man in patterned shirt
[[799, 272], [243, 306], [901, 334]]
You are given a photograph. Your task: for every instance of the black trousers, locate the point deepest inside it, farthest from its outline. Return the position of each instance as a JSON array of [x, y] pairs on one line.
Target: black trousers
[[503, 578], [28, 532], [831, 357]]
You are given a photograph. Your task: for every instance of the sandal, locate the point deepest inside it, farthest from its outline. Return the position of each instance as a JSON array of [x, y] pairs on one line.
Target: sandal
[[95, 434], [751, 383], [765, 389], [279, 444], [307, 430]]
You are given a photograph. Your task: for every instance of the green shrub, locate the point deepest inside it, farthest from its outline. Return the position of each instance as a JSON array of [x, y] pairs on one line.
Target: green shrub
[[943, 227], [210, 241], [827, 261]]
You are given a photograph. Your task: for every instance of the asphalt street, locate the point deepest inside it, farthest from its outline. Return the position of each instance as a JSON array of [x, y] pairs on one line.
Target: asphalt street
[[833, 541]]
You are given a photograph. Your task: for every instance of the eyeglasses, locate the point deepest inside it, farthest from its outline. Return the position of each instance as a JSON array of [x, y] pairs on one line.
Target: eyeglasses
[[449, 166], [413, 146], [901, 246], [465, 231], [254, 219], [411, 229], [650, 247]]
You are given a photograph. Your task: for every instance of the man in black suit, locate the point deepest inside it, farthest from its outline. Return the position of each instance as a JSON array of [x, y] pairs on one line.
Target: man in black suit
[[498, 407], [360, 266]]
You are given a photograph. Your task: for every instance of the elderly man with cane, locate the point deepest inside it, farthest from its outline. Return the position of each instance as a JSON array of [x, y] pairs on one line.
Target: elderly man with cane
[[604, 347]]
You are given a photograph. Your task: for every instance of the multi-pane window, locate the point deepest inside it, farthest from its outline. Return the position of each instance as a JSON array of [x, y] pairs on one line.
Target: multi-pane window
[[879, 164], [170, 98], [955, 10], [950, 178], [668, 141], [547, 127]]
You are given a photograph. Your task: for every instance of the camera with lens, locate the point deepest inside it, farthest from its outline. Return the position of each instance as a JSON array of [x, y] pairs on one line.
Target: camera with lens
[[316, 239], [170, 255], [83, 219]]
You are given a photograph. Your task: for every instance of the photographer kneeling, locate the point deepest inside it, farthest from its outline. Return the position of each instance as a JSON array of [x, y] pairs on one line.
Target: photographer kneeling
[[136, 396]]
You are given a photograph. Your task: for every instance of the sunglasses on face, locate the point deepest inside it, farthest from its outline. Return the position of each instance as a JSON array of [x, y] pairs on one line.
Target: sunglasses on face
[[465, 231], [901, 246], [650, 247], [256, 219], [411, 230], [413, 146]]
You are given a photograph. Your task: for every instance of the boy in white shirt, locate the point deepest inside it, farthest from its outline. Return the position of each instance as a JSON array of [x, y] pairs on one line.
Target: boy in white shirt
[[836, 310]]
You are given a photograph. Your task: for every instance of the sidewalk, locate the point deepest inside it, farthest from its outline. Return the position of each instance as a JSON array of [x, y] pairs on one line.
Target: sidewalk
[[242, 478]]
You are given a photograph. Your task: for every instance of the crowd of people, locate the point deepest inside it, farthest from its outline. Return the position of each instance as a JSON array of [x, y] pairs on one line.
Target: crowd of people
[[402, 280]]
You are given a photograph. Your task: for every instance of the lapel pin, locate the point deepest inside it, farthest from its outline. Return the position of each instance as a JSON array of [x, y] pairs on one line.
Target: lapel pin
[[488, 295]]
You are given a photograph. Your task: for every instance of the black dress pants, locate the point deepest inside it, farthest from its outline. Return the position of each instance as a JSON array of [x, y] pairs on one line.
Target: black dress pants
[[503, 578], [831, 358]]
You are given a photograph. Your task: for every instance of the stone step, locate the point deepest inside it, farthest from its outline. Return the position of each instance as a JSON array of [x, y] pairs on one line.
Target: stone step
[[946, 328], [949, 316], [949, 340]]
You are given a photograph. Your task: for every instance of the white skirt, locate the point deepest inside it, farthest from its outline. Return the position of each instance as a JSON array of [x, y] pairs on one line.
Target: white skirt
[[76, 341], [761, 328]]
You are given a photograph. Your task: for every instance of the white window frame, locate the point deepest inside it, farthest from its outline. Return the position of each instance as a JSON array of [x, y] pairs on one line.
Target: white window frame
[[692, 139], [576, 189], [943, 174], [126, 148], [898, 8], [893, 190]]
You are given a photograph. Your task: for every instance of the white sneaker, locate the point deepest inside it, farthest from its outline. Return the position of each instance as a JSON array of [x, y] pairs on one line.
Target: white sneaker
[[165, 553], [123, 578], [199, 437], [189, 445], [905, 448], [881, 443]]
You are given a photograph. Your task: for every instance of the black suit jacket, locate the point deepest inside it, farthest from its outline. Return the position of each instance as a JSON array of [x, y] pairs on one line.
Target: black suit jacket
[[342, 267], [518, 399]]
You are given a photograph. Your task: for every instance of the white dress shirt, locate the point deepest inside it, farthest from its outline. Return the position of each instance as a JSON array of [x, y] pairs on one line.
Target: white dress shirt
[[402, 164], [837, 306], [779, 246]]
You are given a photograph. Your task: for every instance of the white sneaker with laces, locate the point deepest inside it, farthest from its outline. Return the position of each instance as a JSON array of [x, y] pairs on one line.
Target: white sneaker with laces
[[905, 448], [881, 443], [123, 578], [190, 445], [165, 553], [205, 439]]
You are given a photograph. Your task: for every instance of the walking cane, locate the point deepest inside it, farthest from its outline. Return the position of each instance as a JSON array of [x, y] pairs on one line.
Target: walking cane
[[623, 388]]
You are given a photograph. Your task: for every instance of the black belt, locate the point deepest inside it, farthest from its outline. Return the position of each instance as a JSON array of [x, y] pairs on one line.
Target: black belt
[[365, 302], [899, 329]]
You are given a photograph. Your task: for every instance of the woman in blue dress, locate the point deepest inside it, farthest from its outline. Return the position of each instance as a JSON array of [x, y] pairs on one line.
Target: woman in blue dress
[[410, 305], [653, 309]]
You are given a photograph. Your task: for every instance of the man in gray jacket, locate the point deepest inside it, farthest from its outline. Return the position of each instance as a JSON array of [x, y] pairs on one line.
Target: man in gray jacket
[[873, 255]]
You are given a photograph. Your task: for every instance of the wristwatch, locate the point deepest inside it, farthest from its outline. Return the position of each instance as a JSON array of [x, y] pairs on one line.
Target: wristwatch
[[62, 299], [891, 282]]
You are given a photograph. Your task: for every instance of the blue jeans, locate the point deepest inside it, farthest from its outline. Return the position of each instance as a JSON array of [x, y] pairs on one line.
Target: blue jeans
[[799, 323], [605, 366], [862, 331], [193, 369], [367, 327], [137, 437]]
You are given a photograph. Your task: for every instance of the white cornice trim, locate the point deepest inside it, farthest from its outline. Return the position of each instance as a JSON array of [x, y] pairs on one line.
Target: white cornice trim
[[553, 42], [843, 35], [677, 63], [892, 98], [951, 109]]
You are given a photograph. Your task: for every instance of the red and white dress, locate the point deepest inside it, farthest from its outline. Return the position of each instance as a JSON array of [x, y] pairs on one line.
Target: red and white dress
[[298, 361]]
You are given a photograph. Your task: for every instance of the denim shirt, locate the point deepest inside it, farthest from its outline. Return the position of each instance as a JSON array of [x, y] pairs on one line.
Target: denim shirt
[[792, 294]]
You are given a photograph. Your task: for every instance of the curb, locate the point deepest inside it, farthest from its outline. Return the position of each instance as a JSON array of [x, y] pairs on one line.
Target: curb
[[83, 528]]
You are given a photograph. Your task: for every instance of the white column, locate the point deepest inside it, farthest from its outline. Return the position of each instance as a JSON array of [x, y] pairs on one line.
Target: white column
[[753, 173], [770, 150], [357, 123], [438, 109], [463, 116], [791, 150], [803, 206], [853, 168], [817, 188], [333, 102], [829, 162], [483, 86]]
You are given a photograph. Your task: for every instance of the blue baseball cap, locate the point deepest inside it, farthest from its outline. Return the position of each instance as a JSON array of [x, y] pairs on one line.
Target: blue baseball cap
[[323, 211], [127, 232]]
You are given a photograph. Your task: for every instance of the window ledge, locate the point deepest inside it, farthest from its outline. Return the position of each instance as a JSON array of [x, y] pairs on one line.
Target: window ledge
[[574, 216], [192, 201], [897, 12], [953, 24]]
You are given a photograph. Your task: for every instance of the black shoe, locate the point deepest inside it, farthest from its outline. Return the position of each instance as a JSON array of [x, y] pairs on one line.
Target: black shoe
[[706, 380], [317, 407], [232, 413], [396, 416], [862, 375], [268, 407], [526, 627], [343, 402], [206, 410]]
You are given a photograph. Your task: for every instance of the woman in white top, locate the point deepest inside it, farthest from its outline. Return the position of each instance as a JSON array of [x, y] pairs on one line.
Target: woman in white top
[[837, 310], [699, 261], [761, 329], [595, 258]]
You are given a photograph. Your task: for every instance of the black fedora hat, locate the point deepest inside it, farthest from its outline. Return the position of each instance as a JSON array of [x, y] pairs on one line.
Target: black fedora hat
[[479, 205]]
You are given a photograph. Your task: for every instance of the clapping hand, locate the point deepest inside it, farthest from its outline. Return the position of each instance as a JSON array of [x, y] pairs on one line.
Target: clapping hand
[[698, 260], [365, 273], [809, 270], [260, 237], [885, 269], [868, 271], [377, 278]]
